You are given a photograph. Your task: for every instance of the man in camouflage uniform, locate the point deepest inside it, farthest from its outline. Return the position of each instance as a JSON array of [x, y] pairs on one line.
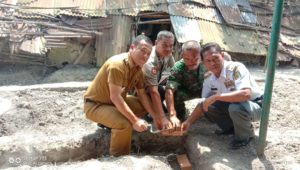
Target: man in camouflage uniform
[[156, 71], [185, 82]]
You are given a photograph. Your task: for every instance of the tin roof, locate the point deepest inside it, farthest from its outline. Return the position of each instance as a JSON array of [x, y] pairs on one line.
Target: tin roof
[[202, 2], [55, 7], [231, 39], [194, 11], [236, 11], [185, 29], [4, 30]]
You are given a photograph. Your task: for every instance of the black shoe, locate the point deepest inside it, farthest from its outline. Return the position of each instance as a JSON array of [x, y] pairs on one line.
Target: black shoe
[[237, 144], [225, 132], [102, 126]]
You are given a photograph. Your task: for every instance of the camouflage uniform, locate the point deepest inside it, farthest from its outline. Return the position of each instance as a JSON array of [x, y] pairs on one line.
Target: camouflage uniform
[[185, 84]]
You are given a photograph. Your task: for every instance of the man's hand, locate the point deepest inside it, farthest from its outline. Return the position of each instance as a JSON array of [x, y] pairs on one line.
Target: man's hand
[[207, 102], [185, 126], [166, 123], [140, 125], [162, 123], [175, 121]]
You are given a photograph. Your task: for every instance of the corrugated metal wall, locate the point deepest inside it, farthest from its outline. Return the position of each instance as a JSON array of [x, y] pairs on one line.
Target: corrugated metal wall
[[114, 40]]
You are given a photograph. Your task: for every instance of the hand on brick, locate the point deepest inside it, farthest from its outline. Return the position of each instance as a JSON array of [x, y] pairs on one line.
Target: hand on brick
[[175, 121], [140, 125]]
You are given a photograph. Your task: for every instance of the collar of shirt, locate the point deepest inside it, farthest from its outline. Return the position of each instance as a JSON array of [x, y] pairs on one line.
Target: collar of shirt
[[130, 62], [157, 57]]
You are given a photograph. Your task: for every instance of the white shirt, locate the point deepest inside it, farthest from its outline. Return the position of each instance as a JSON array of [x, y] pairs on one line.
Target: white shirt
[[234, 76]]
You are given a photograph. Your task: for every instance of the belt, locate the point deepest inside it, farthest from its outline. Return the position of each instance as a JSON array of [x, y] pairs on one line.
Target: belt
[[259, 100]]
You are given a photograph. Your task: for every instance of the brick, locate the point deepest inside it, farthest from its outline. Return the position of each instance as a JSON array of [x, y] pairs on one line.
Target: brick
[[184, 162]]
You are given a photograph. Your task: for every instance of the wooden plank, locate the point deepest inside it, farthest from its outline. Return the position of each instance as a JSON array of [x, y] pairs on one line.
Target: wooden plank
[[158, 21], [184, 162], [83, 52]]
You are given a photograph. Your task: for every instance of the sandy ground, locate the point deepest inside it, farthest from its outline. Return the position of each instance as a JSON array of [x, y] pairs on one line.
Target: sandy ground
[[42, 123]]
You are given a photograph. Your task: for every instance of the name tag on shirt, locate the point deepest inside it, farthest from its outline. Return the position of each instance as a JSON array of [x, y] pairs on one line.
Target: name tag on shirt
[[229, 84]]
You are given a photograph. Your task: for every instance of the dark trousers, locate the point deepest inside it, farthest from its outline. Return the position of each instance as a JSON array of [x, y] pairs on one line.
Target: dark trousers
[[162, 91], [238, 115], [180, 96]]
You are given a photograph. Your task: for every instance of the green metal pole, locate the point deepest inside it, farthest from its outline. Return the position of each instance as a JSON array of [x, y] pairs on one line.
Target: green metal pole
[[272, 53]]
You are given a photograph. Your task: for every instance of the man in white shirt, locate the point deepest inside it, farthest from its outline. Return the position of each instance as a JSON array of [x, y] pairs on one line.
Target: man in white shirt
[[231, 97]]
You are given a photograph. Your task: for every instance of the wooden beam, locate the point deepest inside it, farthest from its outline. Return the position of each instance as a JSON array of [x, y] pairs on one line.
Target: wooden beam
[[82, 52], [67, 36], [158, 21], [155, 16], [152, 13]]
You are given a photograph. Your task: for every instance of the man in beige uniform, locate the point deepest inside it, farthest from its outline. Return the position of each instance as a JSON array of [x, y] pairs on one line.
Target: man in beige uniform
[[107, 102], [157, 69]]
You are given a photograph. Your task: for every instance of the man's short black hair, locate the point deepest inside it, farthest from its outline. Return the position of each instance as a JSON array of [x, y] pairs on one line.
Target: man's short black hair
[[165, 34], [139, 38], [191, 45], [209, 46]]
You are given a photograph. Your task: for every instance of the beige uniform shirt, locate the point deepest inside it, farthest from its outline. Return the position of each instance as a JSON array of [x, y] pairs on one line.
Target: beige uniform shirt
[[118, 70]]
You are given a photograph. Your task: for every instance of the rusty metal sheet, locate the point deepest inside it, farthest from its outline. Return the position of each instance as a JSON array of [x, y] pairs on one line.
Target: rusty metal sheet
[[229, 11], [132, 8], [90, 8], [185, 29], [209, 14], [202, 2], [95, 24], [4, 30], [193, 11], [151, 2], [118, 7], [231, 39], [181, 10], [153, 5], [236, 11], [248, 18], [246, 11]]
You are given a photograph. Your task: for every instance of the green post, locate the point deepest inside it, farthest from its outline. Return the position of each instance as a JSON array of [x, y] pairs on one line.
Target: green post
[[272, 53]]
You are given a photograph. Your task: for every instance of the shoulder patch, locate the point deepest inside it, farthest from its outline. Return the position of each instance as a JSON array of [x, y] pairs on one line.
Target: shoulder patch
[[154, 70], [236, 73], [207, 74], [230, 67]]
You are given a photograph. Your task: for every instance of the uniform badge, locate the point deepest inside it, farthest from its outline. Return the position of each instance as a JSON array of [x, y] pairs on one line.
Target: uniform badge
[[229, 83], [237, 75], [154, 71]]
